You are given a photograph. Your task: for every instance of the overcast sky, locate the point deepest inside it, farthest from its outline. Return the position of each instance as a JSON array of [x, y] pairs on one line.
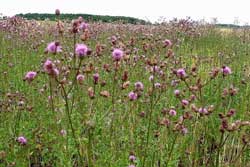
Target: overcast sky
[[225, 10]]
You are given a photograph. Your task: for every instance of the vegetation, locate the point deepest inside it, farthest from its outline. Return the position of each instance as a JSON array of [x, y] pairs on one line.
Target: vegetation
[[106, 94], [87, 17]]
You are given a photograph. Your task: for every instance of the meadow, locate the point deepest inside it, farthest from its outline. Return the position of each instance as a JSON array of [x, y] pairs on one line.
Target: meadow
[[121, 95]]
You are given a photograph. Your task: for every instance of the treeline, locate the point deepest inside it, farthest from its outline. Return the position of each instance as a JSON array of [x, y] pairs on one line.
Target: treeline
[[87, 17]]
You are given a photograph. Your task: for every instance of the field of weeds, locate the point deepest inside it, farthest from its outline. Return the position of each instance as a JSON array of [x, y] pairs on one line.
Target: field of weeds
[[117, 95]]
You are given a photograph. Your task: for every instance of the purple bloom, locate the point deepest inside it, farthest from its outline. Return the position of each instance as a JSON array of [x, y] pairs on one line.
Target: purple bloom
[[57, 12], [184, 130], [117, 54], [63, 132], [157, 85], [53, 47], [139, 86], [181, 73], [226, 70], [96, 78], [22, 140], [81, 50], [132, 96], [203, 110], [151, 78], [80, 78], [177, 92], [30, 76], [83, 26], [167, 42], [131, 166], [184, 102], [172, 112], [132, 158], [49, 68]]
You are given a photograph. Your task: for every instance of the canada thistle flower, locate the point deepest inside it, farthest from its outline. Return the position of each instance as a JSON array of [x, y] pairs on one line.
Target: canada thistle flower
[[96, 78], [57, 12], [184, 102], [49, 68], [139, 86], [83, 26], [132, 96], [117, 54], [53, 47], [30, 76], [226, 70], [22, 140], [181, 73], [172, 112], [80, 78], [81, 50], [132, 158], [177, 92], [167, 42]]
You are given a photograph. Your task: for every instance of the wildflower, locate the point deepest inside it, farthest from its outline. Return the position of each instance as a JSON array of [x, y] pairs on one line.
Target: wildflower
[[63, 132], [83, 26], [172, 112], [157, 85], [181, 73], [226, 70], [80, 78], [177, 92], [184, 130], [132, 96], [139, 86], [151, 78], [131, 166], [203, 110], [30, 76], [167, 42], [22, 140], [53, 47], [96, 78], [81, 50], [49, 68], [117, 54], [132, 158], [184, 102], [57, 12]]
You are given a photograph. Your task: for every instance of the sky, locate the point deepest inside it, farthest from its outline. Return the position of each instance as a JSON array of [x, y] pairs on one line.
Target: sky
[[226, 11]]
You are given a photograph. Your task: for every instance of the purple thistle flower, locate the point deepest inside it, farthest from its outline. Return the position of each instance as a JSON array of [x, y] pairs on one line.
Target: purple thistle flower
[[167, 42], [203, 110], [117, 54], [226, 70], [131, 165], [22, 140], [96, 78], [30, 76], [172, 112], [132, 158], [53, 47], [139, 86], [177, 92], [181, 73], [81, 50], [83, 26], [49, 68], [157, 85], [132, 96], [184, 102], [80, 78]]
